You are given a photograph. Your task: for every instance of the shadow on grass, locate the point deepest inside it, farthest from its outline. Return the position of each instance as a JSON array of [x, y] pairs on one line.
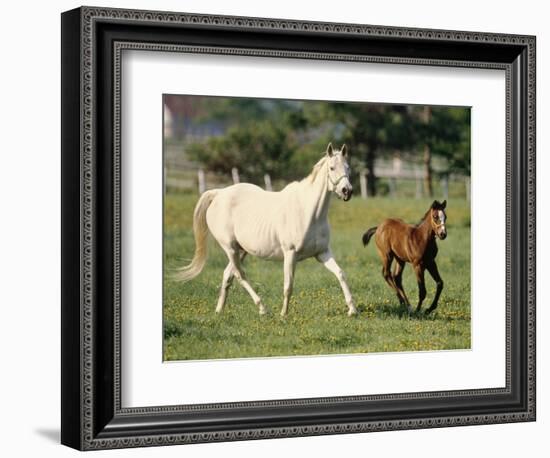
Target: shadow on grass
[[171, 329], [395, 311]]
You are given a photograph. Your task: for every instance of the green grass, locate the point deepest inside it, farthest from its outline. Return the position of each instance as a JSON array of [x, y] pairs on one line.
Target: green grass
[[317, 322]]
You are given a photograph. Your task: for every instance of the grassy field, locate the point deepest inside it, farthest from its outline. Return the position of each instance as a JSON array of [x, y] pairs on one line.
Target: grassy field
[[317, 322]]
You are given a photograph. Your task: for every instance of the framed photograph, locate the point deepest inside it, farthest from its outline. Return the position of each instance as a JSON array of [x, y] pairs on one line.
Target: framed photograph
[[276, 228]]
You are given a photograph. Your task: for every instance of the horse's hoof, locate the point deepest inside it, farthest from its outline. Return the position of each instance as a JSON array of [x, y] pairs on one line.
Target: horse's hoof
[[263, 311], [352, 312]]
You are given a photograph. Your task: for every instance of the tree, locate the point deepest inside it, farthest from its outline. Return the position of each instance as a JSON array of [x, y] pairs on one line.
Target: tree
[[372, 130], [443, 133], [254, 148], [427, 157], [449, 137], [284, 138], [261, 137]]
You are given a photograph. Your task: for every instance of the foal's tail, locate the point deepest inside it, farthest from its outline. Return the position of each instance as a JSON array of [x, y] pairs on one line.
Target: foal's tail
[[367, 235], [200, 230]]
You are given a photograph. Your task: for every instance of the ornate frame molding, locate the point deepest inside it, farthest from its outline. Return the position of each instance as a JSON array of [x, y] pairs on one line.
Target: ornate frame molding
[[89, 435]]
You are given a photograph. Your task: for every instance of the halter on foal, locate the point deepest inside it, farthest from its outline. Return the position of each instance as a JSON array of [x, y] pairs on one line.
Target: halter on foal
[[404, 242]]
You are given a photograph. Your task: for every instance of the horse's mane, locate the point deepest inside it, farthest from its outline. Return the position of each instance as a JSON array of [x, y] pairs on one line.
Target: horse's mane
[[311, 177], [315, 171]]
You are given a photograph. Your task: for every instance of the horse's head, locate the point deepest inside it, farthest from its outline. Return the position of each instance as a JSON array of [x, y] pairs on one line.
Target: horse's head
[[338, 172], [438, 218]]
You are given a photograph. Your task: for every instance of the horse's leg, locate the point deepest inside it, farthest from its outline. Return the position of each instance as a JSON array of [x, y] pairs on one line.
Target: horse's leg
[[289, 267], [387, 260], [419, 271], [226, 283], [396, 273], [234, 258], [398, 280], [432, 268], [227, 279], [327, 259]]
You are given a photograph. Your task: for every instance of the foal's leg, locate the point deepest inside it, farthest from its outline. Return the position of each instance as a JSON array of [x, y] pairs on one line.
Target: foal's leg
[[227, 279], [386, 271], [432, 268], [419, 271], [289, 267], [239, 274], [398, 280], [396, 276], [330, 263]]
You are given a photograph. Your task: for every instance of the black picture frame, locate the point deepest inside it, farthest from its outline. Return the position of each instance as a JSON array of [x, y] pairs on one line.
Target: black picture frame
[[92, 40]]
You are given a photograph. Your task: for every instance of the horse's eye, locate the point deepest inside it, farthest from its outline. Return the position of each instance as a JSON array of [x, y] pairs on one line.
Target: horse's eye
[[331, 168]]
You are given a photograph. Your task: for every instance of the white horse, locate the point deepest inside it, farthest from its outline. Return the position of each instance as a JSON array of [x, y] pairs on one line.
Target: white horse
[[290, 225]]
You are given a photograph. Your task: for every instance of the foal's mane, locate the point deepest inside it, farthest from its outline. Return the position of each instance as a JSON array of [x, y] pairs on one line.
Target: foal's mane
[[424, 217], [426, 214]]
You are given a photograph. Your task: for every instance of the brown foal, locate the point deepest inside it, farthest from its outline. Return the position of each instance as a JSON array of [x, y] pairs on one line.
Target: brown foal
[[416, 244]]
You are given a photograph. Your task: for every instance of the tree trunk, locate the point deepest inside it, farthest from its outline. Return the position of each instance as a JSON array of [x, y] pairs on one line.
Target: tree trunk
[[428, 188], [428, 171]]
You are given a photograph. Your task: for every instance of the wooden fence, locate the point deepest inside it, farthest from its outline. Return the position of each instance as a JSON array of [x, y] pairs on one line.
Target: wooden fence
[[201, 181], [399, 179]]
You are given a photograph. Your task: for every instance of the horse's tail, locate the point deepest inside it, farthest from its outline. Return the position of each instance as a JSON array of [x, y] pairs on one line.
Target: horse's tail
[[200, 229], [367, 235]]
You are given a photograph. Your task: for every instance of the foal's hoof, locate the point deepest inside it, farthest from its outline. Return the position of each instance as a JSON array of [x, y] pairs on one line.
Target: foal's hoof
[[263, 311], [352, 312]]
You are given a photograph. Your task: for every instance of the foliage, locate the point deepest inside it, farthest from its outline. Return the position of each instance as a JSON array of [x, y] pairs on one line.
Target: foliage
[[284, 138], [448, 136], [264, 147]]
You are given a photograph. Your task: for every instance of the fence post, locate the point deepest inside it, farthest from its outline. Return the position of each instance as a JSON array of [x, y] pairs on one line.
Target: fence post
[[467, 184], [363, 183], [267, 181], [235, 175], [202, 181], [445, 186]]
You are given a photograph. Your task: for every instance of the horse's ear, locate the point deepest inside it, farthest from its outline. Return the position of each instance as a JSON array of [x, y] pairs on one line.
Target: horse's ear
[[443, 204], [344, 151], [330, 151], [435, 204]]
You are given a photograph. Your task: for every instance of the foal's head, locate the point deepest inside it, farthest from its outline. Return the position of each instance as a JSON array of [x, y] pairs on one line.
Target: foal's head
[[438, 218], [338, 172]]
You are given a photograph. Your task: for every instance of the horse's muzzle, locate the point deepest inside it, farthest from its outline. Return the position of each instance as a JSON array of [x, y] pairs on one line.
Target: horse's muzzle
[[347, 192]]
